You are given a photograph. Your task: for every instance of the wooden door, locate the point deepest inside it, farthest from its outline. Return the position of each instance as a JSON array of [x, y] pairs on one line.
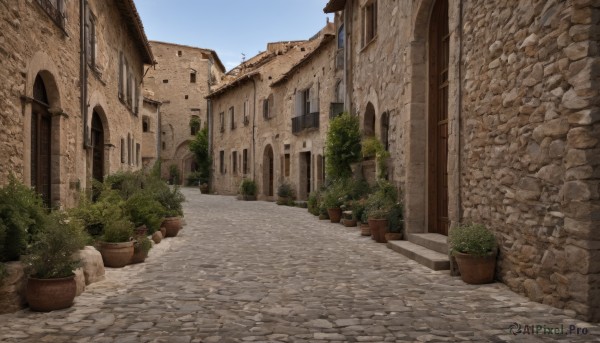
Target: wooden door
[[438, 119], [41, 142], [98, 148]]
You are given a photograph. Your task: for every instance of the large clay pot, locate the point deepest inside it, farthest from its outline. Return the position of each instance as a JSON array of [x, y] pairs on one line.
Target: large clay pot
[[349, 222], [379, 228], [46, 295], [476, 270], [204, 188], [139, 256], [335, 214], [116, 255], [172, 225], [365, 230], [163, 231]]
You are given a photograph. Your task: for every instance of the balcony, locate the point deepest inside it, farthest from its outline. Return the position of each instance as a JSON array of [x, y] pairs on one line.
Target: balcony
[[305, 121], [54, 10]]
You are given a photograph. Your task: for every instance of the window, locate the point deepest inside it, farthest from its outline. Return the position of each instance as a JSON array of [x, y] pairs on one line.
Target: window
[[232, 117], [122, 150], [165, 81], [164, 146], [246, 112], [222, 162], [179, 53], [137, 153], [186, 97], [91, 39], [192, 77], [369, 22], [128, 149], [222, 121], [245, 161], [268, 107], [145, 124], [287, 165], [234, 161], [306, 101], [55, 9], [340, 37], [121, 76]]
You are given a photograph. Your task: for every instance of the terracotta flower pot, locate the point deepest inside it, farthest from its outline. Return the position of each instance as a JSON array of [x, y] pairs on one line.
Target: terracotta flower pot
[[365, 230], [163, 231], [157, 237], [203, 188], [349, 222], [116, 255], [172, 226], [378, 229], [46, 295], [393, 236], [335, 214], [138, 257], [476, 270]]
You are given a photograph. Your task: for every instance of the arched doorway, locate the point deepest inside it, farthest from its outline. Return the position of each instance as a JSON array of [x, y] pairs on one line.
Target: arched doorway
[[268, 171], [439, 42], [41, 141], [97, 147], [369, 121]]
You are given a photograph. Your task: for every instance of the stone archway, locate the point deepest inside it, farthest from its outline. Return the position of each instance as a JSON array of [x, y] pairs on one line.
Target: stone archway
[[369, 120], [268, 172]]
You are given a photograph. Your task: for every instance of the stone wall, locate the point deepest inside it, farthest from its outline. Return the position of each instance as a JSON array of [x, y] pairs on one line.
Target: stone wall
[[530, 137], [33, 43], [258, 134], [150, 114], [170, 82]]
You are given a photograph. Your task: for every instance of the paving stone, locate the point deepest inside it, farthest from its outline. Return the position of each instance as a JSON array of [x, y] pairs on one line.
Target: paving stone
[[258, 272]]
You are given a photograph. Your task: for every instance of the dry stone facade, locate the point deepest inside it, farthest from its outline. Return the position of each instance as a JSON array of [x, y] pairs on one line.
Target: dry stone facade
[[51, 139], [522, 132], [252, 114], [180, 80]]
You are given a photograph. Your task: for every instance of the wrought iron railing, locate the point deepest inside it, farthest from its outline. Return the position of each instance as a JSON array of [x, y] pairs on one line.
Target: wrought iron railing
[[55, 10], [305, 121]]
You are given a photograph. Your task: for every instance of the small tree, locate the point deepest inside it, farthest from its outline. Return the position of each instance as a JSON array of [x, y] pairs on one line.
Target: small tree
[[342, 147], [199, 146]]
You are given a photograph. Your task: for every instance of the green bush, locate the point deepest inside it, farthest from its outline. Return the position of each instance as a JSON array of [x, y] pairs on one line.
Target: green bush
[[126, 183], [199, 147], [3, 272], [22, 215], [174, 174], [285, 190], [473, 239], [143, 209], [372, 147], [336, 194], [248, 187], [313, 202], [381, 203], [196, 179], [95, 215], [342, 146], [118, 231], [51, 252], [142, 243]]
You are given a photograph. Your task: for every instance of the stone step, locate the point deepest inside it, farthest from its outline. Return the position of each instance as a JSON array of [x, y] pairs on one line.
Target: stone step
[[429, 258], [432, 241]]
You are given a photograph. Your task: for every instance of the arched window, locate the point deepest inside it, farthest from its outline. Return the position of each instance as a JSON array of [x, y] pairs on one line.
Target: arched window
[[369, 120], [341, 33]]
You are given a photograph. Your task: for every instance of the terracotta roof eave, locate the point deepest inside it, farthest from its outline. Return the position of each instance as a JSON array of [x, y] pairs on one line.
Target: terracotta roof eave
[[128, 9], [326, 39], [232, 84], [334, 6]]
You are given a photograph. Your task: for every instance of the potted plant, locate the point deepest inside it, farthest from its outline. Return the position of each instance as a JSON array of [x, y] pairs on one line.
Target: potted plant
[[475, 250], [204, 188], [285, 194], [334, 198], [359, 213], [50, 264], [348, 218], [116, 245], [141, 247], [313, 203], [379, 207], [396, 223], [171, 200], [248, 190]]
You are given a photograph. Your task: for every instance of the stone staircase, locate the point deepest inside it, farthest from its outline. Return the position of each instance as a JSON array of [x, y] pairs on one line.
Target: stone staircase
[[429, 249]]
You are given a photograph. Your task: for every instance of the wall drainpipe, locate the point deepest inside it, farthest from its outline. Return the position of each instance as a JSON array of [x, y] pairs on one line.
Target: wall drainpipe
[[83, 80]]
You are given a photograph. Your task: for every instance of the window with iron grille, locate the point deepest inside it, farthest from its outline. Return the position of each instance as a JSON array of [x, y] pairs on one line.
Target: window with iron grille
[[369, 22], [91, 39]]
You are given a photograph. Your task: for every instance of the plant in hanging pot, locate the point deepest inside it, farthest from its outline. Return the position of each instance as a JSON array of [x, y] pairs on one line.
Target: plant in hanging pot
[[116, 245], [141, 247], [50, 263], [475, 250], [248, 190]]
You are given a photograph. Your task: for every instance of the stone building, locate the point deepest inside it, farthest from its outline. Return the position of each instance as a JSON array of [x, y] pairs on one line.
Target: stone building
[[151, 143], [491, 115], [70, 93], [251, 119], [181, 78]]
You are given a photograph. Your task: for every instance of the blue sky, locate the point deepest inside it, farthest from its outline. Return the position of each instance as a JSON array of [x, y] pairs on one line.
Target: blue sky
[[231, 27]]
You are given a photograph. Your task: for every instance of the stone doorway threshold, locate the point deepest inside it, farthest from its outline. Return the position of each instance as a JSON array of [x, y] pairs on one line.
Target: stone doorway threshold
[[429, 249]]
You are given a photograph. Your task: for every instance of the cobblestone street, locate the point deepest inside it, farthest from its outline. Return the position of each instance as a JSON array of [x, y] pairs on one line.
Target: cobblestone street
[[254, 271]]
